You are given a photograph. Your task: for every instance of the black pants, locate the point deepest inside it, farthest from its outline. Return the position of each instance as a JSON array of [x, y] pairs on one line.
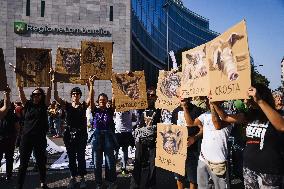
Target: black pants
[[37, 144], [7, 147], [76, 151], [144, 159]]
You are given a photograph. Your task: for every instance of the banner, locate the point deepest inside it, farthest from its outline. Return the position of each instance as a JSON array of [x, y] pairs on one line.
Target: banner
[[3, 77], [229, 64], [67, 66], [129, 90], [195, 76], [96, 59], [168, 83], [171, 148], [33, 67]]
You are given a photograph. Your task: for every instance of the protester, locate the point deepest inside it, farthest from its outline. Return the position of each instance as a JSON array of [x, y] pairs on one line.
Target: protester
[[75, 134], [57, 120], [123, 132], [51, 114], [263, 154], [4, 109], [103, 141], [34, 133], [19, 112], [145, 142], [214, 151], [278, 99], [8, 135], [194, 133]]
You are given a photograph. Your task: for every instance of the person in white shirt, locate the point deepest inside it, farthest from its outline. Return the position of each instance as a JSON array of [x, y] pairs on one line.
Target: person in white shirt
[[213, 155]]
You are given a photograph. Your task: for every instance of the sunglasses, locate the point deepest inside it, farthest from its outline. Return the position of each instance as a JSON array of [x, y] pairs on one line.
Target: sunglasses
[[75, 93], [36, 94]]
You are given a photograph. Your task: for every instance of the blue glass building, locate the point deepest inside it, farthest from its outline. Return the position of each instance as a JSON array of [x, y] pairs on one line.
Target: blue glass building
[[186, 29]]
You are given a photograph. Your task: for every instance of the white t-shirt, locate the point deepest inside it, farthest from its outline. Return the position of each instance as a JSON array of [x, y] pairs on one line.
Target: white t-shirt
[[214, 143], [123, 121]]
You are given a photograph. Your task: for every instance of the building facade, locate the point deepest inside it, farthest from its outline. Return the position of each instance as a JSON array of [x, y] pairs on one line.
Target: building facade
[[138, 29], [106, 20], [151, 19]]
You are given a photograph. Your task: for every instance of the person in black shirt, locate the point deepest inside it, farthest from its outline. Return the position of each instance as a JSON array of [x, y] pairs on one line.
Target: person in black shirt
[[145, 142], [8, 134], [263, 165], [4, 109], [193, 150], [75, 135], [34, 133]]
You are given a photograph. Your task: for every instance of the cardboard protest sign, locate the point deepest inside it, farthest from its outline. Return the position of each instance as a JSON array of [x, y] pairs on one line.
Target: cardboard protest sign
[[33, 67], [195, 76], [229, 64], [168, 83], [67, 67], [3, 77], [129, 91], [171, 148], [96, 59]]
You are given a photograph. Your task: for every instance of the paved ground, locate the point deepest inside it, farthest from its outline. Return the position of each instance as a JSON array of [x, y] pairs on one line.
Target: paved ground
[[58, 179]]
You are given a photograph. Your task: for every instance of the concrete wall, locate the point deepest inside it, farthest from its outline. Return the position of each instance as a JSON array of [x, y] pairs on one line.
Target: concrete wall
[[61, 13]]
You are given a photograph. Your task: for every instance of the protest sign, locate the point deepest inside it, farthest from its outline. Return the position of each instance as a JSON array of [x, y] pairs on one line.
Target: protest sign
[[3, 77], [229, 64], [171, 148], [96, 59], [195, 76], [168, 83], [33, 66], [67, 66], [129, 90]]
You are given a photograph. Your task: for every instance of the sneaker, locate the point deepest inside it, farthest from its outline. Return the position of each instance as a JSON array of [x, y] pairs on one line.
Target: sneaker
[[83, 183], [72, 183]]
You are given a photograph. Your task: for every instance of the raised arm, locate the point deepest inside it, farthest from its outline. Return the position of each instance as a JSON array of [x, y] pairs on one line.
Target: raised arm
[[215, 118], [188, 119], [90, 101], [56, 96], [234, 118], [4, 109], [22, 95], [273, 116]]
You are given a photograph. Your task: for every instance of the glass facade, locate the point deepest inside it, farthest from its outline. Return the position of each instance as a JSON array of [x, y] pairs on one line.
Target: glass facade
[[149, 18]]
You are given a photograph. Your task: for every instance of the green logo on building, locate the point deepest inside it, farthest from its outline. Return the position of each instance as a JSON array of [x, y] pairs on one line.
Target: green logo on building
[[20, 27]]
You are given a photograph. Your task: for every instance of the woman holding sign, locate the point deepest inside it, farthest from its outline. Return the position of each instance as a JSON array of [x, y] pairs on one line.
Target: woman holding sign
[[34, 133], [263, 165], [104, 141], [75, 133]]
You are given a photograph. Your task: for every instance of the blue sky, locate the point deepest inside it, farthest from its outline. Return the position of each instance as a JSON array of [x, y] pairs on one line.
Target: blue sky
[[265, 25]]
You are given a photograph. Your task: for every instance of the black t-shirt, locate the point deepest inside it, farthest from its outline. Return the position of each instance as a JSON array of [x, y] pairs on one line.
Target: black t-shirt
[[76, 117], [264, 149], [194, 112], [7, 124], [35, 119]]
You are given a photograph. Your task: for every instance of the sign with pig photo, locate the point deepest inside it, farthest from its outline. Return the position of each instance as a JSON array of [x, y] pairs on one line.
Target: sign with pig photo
[[229, 64], [171, 148], [168, 84], [129, 90], [195, 76]]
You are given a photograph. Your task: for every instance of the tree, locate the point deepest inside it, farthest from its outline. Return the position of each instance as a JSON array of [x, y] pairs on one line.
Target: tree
[[256, 77]]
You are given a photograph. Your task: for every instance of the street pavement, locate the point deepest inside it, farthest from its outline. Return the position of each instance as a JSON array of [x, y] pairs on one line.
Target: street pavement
[[58, 179]]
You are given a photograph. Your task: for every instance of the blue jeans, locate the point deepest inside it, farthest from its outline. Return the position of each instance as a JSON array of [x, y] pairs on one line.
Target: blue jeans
[[57, 125], [104, 142]]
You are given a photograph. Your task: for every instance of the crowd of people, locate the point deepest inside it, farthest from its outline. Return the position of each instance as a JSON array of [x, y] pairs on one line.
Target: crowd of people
[[259, 121]]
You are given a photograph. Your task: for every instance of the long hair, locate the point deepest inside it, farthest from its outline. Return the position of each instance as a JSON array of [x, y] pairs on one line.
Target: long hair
[[265, 94], [42, 101]]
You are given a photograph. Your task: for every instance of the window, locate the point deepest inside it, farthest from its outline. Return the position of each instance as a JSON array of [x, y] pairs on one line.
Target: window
[[42, 9], [28, 8], [111, 13]]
